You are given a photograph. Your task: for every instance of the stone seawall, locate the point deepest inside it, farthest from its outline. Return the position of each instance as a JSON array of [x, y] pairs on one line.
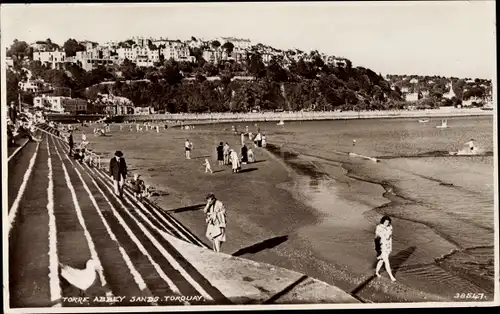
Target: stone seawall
[[304, 116]]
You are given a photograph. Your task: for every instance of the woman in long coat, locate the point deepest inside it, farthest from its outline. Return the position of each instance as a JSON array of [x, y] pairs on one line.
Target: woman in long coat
[[235, 161], [244, 154], [220, 153], [216, 221], [383, 245]]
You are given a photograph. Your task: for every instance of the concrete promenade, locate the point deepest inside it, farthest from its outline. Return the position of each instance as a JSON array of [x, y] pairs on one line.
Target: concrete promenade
[[60, 211], [312, 115]]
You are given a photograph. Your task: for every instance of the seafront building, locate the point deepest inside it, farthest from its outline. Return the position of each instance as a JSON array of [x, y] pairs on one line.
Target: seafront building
[[61, 104]]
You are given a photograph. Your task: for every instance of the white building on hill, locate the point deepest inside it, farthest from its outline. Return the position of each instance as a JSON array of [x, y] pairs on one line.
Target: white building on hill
[[52, 58], [239, 43], [61, 104]]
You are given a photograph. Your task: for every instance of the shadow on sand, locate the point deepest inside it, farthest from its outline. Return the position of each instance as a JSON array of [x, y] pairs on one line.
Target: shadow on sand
[[200, 157], [396, 262], [257, 161], [248, 170], [257, 247], [187, 208]]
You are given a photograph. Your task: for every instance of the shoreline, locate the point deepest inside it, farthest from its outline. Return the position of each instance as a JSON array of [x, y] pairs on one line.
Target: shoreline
[[436, 265], [209, 118]]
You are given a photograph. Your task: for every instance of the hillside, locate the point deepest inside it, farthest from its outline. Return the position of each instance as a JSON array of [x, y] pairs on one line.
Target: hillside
[[279, 82]]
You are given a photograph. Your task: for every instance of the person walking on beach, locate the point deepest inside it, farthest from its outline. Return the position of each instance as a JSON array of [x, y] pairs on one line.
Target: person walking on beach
[[258, 139], [242, 136], [188, 146], [71, 143], [226, 153], [118, 172], [251, 156], [244, 154], [220, 154], [216, 221], [383, 245], [264, 140], [235, 161]]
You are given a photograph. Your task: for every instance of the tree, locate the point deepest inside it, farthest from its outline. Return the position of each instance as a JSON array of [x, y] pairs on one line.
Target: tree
[[19, 50], [275, 72], [129, 70], [171, 73], [71, 47], [215, 44], [210, 70], [256, 66], [12, 86], [193, 38], [228, 46]]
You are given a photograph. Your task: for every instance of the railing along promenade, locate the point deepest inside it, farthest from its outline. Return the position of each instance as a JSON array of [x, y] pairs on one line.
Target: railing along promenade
[[310, 115]]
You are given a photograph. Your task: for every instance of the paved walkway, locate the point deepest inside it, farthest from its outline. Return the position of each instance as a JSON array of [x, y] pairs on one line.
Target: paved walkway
[[61, 211]]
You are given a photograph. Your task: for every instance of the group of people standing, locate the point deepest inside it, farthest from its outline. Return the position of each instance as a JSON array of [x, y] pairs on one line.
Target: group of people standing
[[226, 155]]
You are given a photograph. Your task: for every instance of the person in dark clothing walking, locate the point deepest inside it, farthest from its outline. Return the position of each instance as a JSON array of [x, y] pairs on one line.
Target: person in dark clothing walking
[[13, 113], [244, 154], [70, 143], [220, 154], [118, 172]]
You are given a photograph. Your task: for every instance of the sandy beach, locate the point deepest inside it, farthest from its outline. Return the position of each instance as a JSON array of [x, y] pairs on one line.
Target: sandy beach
[[312, 209]]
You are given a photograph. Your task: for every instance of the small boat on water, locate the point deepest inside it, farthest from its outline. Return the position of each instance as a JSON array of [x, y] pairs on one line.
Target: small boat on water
[[281, 122], [423, 120], [444, 124]]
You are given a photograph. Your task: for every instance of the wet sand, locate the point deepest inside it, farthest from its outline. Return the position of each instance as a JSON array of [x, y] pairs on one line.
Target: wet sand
[[313, 213]]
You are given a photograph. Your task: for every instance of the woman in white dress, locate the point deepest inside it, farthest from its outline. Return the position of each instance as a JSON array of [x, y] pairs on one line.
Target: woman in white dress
[[235, 160], [383, 245], [216, 221], [251, 156]]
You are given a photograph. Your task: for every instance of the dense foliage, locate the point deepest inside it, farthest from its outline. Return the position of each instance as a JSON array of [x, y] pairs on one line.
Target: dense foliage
[[232, 86]]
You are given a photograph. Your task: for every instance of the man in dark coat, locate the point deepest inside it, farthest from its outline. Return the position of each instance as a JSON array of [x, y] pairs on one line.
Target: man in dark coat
[[118, 172], [13, 113], [71, 143], [244, 154]]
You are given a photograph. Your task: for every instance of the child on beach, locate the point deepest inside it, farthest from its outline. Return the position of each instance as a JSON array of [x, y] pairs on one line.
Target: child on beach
[[188, 146], [208, 168]]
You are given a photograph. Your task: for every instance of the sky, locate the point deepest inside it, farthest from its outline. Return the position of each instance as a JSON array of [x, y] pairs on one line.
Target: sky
[[447, 38]]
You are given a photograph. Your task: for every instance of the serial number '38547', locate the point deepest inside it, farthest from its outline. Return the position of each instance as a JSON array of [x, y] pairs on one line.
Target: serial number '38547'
[[470, 296]]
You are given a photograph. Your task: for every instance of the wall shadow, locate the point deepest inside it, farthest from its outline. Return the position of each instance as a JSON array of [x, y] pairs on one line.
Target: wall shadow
[[257, 161], [248, 170], [187, 208], [257, 247]]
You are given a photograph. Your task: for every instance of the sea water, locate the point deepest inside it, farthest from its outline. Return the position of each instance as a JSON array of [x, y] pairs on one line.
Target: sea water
[[441, 205]]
